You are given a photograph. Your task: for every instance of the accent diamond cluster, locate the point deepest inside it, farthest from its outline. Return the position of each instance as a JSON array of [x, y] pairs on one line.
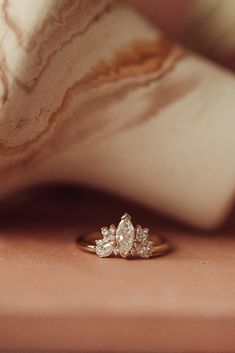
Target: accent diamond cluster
[[125, 240]]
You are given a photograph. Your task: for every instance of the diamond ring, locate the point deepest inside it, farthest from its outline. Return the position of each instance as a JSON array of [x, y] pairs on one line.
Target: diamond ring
[[125, 240]]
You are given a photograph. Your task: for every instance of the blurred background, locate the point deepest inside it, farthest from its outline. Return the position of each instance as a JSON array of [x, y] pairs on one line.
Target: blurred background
[[206, 26]]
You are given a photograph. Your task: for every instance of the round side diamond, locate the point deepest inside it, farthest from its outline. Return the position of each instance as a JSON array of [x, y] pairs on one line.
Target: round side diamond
[[112, 232], [145, 232], [142, 250], [138, 233], [105, 232]]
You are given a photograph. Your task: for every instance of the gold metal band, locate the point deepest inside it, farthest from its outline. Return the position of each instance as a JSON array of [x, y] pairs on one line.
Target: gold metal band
[[86, 242]]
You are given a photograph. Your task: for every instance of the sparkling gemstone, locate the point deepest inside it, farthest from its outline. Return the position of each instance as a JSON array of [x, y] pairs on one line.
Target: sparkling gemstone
[[103, 248], [105, 232], [142, 250], [150, 247], [125, 235], [99, 242], [138, 233], [145, 232], [112, 231]]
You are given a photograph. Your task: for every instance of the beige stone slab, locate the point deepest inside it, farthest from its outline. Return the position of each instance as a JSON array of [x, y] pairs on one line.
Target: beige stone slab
[[92, 94]]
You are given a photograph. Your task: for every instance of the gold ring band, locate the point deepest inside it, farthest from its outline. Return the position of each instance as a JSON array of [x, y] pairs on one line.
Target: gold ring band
[[160, 246]]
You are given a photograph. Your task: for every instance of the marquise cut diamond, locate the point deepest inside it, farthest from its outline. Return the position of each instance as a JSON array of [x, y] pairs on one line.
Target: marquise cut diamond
[[125, 235], [103, 248]]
